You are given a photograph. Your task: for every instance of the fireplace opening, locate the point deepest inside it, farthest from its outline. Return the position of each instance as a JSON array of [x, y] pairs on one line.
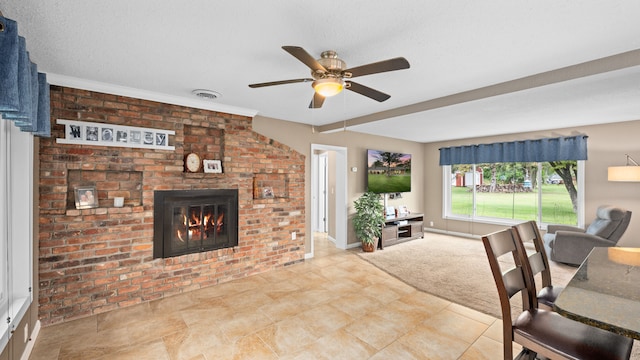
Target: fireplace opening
[[190, 221]]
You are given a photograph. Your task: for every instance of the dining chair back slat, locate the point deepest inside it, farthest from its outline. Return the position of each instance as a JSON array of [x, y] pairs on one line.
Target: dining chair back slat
[[539, 263]]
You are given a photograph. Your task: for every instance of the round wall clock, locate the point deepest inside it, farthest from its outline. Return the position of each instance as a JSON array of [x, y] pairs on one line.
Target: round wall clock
[[192, 162]]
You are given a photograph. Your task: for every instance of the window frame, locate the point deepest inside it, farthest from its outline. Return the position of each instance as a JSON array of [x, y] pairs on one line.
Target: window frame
[[446, 200], [16, 226]]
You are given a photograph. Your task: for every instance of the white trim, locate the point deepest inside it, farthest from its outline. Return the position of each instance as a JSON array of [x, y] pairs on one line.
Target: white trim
[[446, 193], [340, 194], [63, 80], [16, 225], [452, 233], [32, 341], [320, 221], [314, 199], [5, 143], [581, 193], [350, 246], [354, 245], [446, 201]]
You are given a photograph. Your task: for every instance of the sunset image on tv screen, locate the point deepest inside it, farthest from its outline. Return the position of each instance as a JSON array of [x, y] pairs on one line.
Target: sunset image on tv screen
[[388, 172]]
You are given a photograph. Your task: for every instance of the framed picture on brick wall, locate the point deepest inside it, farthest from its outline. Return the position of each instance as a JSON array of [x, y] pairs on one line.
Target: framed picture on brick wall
[[88, 133], [86, 197], [267, 192], [212, 166]]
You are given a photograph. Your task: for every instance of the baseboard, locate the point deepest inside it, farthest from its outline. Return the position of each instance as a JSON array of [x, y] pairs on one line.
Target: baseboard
[[32, 341], [308, 256], [527, 244], [452, 233]]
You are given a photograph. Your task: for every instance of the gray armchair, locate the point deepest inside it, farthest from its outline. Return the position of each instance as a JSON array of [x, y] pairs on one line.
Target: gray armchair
[[571, 245]]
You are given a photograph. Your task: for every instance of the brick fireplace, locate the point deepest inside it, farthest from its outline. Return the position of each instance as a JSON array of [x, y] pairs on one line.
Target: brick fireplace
[[100, 259]]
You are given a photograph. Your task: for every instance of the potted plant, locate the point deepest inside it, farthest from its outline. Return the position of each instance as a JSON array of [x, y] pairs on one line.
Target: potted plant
[[368, 220]]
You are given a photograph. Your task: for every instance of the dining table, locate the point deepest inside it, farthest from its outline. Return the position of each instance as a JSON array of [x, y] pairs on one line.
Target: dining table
[[605, 291]]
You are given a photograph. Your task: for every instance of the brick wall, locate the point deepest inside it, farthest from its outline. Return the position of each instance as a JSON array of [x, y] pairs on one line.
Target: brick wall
[[100, 259]]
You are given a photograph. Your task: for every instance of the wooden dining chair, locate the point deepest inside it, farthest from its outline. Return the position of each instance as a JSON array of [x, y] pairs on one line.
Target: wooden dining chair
[[539, 262], [539, 331]]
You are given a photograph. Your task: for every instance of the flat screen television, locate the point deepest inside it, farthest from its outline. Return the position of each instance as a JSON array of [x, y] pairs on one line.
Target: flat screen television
[[388, 172]]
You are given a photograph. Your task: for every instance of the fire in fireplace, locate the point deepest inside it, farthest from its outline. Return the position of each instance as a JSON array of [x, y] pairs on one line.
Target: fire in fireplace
[[189, 221]]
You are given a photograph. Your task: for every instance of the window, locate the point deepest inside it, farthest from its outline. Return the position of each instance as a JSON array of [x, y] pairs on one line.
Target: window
[[512, 192], [16, 226], [540, 179]]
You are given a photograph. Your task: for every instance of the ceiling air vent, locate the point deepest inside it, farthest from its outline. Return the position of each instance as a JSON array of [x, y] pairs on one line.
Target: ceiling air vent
[[206, 94]]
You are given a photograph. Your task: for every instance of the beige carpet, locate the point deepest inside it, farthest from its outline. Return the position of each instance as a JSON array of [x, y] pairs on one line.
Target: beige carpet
[[453, 268]]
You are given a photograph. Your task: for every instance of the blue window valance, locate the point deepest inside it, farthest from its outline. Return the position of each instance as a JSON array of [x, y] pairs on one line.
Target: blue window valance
[[24, 92], [548, 149]]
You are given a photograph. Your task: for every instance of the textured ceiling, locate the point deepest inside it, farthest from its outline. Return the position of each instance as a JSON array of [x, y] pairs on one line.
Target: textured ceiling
[[162, 50]]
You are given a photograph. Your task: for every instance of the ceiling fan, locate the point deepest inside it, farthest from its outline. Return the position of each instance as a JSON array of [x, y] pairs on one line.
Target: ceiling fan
[[329, 73]]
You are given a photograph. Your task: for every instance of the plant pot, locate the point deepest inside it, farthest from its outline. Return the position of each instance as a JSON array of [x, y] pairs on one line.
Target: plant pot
[[370, 247]]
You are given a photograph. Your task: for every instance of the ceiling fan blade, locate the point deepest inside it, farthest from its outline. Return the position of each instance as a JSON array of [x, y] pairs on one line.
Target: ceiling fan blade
[[398, 63], [281, 82], [317, 101], [367, 91], [302, 55]]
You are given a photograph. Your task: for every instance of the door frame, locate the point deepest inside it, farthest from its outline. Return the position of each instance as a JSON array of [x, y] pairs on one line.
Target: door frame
[[320, 221], [341, 207]]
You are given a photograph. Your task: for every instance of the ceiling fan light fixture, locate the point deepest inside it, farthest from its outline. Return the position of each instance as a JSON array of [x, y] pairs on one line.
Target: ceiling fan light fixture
[[328, 87]]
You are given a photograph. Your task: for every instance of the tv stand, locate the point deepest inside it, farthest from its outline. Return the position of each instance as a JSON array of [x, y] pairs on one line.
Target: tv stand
[[402, 228]]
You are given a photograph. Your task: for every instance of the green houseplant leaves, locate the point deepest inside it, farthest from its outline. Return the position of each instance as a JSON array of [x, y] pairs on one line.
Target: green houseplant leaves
[[369, 218]]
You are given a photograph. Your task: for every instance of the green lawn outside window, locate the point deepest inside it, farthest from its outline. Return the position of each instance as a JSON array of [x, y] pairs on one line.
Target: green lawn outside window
[[556, 204]]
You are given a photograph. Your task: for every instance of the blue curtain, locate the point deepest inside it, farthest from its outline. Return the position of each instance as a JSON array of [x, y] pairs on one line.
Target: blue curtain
[[24, 92], [548, 149]]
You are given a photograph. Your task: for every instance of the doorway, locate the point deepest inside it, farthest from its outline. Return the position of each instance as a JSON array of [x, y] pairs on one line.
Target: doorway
[[329, 162]]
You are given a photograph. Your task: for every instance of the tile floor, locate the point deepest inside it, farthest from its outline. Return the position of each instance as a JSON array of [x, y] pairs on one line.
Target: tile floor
[[334, 306]]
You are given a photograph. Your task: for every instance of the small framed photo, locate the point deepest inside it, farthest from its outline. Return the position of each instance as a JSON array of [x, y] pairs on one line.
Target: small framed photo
[[148, 138], [136, 137], [107, 134], [86, 197], [402, 210], [390, 212], [267, 192], [92, 133], [121, 136], [161, 139], [74, 132], [212, 166]]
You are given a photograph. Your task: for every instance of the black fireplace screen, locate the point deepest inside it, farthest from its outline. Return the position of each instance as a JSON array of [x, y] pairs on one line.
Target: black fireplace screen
[[189, 221]]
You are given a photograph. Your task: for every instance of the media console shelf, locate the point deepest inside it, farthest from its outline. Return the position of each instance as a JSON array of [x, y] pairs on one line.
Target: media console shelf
[[401, 229]]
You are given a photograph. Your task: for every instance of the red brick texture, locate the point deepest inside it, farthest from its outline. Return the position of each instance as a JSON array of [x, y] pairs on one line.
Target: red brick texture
[[100, 259]]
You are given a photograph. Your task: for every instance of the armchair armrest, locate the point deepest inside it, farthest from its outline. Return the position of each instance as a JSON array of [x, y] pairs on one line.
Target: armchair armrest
[[572, 247], [552, 229], [574, 239]]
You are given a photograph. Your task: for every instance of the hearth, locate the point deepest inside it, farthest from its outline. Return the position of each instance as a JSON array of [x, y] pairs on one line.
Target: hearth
[[191, 221]]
